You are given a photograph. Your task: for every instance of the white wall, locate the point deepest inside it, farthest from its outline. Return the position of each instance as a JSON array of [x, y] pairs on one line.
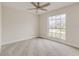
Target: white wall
[[72, 24], [0, 25], [18, 25]]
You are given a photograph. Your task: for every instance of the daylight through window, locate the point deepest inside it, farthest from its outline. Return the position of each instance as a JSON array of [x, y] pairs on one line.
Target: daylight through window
[[57, 26]]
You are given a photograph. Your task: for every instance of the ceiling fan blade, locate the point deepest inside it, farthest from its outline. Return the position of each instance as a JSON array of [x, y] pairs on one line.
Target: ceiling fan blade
[[38, 4], [45, 5], [43, 9], [34, 4], [31, 8]]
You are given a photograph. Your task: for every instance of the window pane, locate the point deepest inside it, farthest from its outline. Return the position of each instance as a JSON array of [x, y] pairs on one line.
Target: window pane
[[63, 36], [63, 21], [57, 24], [57, 30], [53, 35], [63, 33], [58, 17], [54, 17], [63, 17], [50, 32], [57, 35]]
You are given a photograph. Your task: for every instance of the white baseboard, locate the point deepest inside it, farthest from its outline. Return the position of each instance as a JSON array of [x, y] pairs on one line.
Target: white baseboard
[[65, 43], [39, 37], [10, 42]]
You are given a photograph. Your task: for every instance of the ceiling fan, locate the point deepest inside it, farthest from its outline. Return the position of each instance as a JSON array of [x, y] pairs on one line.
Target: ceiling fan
[[38, 6]]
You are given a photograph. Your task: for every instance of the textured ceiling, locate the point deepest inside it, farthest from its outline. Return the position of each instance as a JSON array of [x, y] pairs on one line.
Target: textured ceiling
[[26, 5]]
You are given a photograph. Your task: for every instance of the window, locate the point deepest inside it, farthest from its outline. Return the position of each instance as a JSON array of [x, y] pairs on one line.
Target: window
[[57, 28]]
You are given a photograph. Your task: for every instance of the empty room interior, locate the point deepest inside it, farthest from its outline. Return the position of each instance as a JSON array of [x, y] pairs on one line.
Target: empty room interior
[[39, 28]]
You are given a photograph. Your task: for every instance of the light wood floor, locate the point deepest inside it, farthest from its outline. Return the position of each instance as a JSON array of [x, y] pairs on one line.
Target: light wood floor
[[38, 47]]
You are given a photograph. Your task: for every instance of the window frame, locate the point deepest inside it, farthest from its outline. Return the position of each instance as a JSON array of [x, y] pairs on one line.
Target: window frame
[[60, 26]]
